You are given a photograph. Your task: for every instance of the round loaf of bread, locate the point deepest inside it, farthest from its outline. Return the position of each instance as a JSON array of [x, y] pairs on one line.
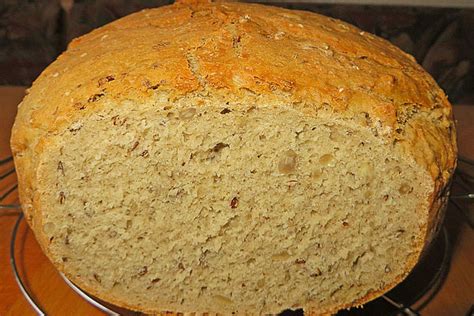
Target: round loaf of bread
[[234, 158]]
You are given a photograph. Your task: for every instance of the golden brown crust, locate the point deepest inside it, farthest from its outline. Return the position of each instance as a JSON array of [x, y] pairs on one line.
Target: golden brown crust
[[232, 51]]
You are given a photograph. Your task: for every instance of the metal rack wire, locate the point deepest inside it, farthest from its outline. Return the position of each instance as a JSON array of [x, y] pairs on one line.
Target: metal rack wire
[[464, 179]]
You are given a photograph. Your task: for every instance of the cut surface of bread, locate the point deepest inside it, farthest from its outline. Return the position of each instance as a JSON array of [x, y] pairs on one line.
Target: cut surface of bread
[[216, 210], [167, 180]]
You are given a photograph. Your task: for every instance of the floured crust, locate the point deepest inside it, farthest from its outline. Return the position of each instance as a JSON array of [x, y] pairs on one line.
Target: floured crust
[[248, 52]]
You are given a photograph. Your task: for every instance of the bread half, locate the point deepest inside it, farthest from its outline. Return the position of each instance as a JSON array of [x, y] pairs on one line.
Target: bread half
[[234, 158]]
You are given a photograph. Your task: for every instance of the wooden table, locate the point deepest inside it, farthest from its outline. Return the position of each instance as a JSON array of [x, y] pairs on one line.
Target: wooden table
[[455, 297]]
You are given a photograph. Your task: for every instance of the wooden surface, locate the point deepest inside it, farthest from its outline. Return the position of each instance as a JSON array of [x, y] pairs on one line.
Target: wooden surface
[[455, 297]]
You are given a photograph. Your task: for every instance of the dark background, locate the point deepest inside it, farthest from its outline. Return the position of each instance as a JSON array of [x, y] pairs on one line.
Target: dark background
[[33, 33]]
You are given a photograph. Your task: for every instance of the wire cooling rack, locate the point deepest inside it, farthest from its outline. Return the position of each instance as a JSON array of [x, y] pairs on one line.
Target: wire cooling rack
[[463, 181]]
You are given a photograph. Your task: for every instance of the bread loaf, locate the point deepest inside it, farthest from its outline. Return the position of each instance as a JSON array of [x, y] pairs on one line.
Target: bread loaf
[[234, 158]]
